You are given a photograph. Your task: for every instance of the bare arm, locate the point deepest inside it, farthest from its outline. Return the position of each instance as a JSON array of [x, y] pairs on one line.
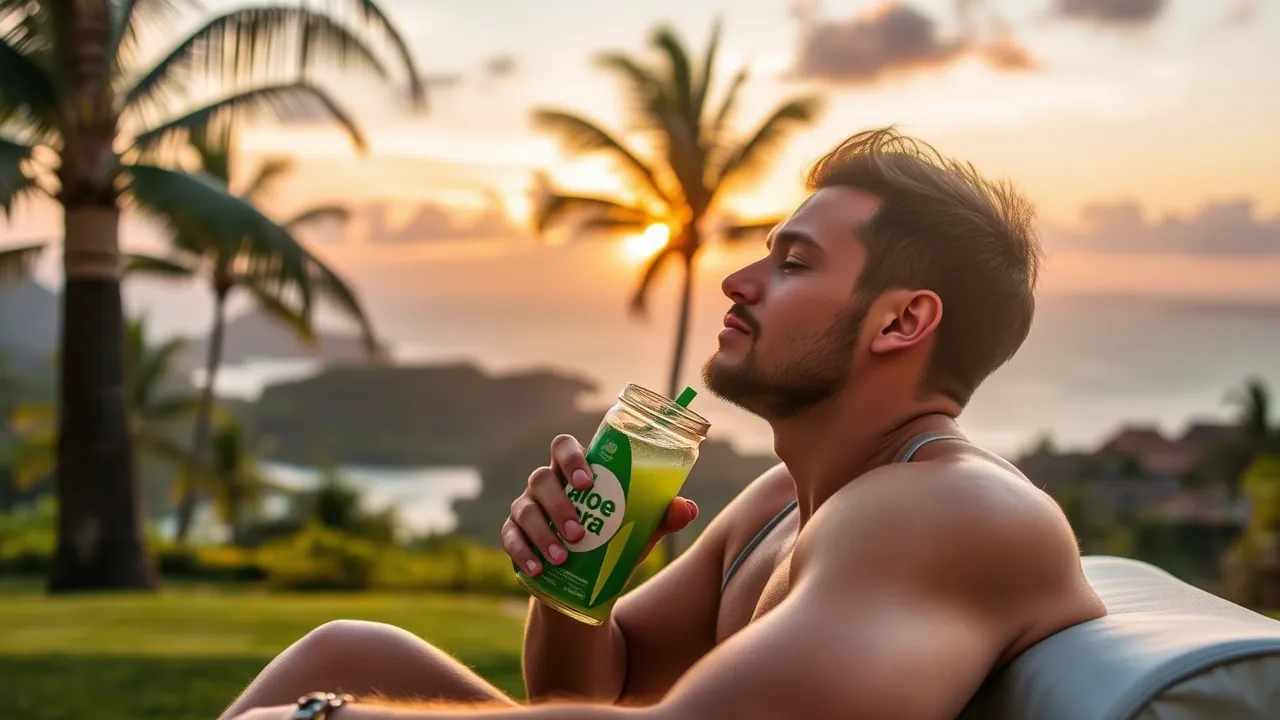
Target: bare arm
[[655, 633], [902, 603]]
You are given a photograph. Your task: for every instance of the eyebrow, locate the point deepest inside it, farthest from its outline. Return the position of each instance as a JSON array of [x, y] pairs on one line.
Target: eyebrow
[[792, 237]]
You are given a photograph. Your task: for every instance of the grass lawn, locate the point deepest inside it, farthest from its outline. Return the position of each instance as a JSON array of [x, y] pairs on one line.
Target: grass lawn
[[185, 653]]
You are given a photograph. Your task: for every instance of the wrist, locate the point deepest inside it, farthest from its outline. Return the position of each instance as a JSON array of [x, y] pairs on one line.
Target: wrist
[[322, 706]]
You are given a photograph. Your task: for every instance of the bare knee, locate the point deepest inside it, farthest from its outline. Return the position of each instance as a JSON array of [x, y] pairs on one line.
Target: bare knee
[[360, 639], [363, 656]]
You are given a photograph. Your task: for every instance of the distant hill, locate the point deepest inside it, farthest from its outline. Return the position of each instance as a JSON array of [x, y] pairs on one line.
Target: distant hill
[[254, 335], [408, 415], [719, 475], [29, 322]]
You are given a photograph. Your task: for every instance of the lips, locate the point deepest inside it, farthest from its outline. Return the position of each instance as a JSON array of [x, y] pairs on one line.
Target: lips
[[733, 323]]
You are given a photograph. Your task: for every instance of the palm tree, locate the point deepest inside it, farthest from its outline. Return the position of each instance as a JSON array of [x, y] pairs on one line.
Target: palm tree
[[698, 159], [1253, 436], [154, 407], [234, 478], [83, 123], [261, 270]]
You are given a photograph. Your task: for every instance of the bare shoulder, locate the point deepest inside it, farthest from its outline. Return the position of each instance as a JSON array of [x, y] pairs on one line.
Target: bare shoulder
[[752, 508], [965, 527]]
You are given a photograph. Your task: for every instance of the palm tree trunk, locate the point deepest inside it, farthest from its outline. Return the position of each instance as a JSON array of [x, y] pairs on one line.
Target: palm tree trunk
[[204, 416], [669, 545], [100, 542]]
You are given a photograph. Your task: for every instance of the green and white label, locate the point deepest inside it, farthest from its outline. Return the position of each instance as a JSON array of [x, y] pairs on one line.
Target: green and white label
[[600, 564], [600, 509]]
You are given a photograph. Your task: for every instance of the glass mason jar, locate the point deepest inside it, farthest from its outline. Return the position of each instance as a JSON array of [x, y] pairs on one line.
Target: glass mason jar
[[640, 456]]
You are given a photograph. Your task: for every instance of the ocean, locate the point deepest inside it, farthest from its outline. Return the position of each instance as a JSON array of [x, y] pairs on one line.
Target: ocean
[[1089, 366]]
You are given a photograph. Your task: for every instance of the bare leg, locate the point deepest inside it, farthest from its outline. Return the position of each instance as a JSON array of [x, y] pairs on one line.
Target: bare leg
[[363, 658]]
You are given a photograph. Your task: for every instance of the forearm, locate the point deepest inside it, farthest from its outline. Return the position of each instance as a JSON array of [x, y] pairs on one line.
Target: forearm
[[544, 712], [564, 657]]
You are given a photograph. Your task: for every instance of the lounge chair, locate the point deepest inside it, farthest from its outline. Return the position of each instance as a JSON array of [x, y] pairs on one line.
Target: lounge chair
[[1165, 651]]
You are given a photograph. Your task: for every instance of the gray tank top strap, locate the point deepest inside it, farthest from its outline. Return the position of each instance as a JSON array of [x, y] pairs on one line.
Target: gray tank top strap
[[914, 444], [773, 522], [908, 451]]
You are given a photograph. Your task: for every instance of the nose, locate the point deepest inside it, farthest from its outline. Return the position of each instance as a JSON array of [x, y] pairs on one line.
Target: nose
[[742, 286]]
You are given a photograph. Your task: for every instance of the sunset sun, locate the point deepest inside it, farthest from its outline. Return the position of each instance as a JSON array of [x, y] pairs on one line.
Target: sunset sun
[[643, 245]]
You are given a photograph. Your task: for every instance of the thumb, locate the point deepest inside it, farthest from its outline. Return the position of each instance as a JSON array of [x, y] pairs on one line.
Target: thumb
[[680, 514]]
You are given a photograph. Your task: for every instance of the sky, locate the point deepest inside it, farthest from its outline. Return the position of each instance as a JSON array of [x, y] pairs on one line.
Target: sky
[[1143, 130]]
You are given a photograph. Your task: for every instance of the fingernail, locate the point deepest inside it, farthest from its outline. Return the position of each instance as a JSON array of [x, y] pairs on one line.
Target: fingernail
[[693, 508], [581, 478], [573, 529], [557, 553], [532, 565]]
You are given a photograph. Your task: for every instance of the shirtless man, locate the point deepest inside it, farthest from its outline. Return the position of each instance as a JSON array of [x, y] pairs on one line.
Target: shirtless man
[[883, 570]]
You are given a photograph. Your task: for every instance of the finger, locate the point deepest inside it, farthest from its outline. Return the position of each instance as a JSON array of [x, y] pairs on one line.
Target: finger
[[532, 521], [515, 546], [567, 458], [549, 493], [680, 513]]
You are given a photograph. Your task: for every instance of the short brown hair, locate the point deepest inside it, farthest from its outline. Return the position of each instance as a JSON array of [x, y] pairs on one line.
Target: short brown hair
[[940, 226]]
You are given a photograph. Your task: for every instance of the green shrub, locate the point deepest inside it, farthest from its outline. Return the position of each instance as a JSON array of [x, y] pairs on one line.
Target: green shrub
[[28, 536], [318, 558]]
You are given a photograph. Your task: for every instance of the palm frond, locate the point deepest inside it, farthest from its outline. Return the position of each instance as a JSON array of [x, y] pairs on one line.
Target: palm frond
[[714, 135], [151, 366], [657, 109], [170, 268], [171, 408], [612, 226], [680, 69], [702, 85], [652, 269], [267, 175], [126, 18], [243, 46], [753, 154], [558, 207], [271, 304], [330, 285], [27, 28], [15, 177], [578, 134], [205, 217], [222, 113], [319, 213], [16, 262], [370, 14], [647, 91], [28, 91], [161, 446], [746, 231]]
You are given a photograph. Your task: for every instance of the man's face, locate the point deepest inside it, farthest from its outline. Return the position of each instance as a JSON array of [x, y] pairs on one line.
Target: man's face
[[793, 330]]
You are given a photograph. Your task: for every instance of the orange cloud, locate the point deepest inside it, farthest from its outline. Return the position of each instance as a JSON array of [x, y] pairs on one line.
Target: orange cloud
[[1111, 12], [1221, 228], [894, 37]]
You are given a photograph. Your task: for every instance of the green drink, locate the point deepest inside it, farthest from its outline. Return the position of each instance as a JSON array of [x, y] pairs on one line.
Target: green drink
[[640, 456]]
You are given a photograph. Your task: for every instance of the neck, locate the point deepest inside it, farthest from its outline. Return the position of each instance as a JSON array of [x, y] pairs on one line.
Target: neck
[[830, 445]]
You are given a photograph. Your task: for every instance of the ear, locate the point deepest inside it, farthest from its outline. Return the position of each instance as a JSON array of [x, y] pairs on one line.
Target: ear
[[909, 320]]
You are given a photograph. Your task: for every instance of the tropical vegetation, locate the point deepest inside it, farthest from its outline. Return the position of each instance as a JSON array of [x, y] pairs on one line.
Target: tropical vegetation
[[84, 122], [698, 156], [261, 268]]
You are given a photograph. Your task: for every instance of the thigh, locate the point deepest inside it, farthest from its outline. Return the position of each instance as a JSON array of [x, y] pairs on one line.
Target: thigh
[[364, 658]]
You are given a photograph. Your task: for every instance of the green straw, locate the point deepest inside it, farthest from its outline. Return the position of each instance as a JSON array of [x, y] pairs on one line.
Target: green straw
[[683, 401], [686, 397]]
